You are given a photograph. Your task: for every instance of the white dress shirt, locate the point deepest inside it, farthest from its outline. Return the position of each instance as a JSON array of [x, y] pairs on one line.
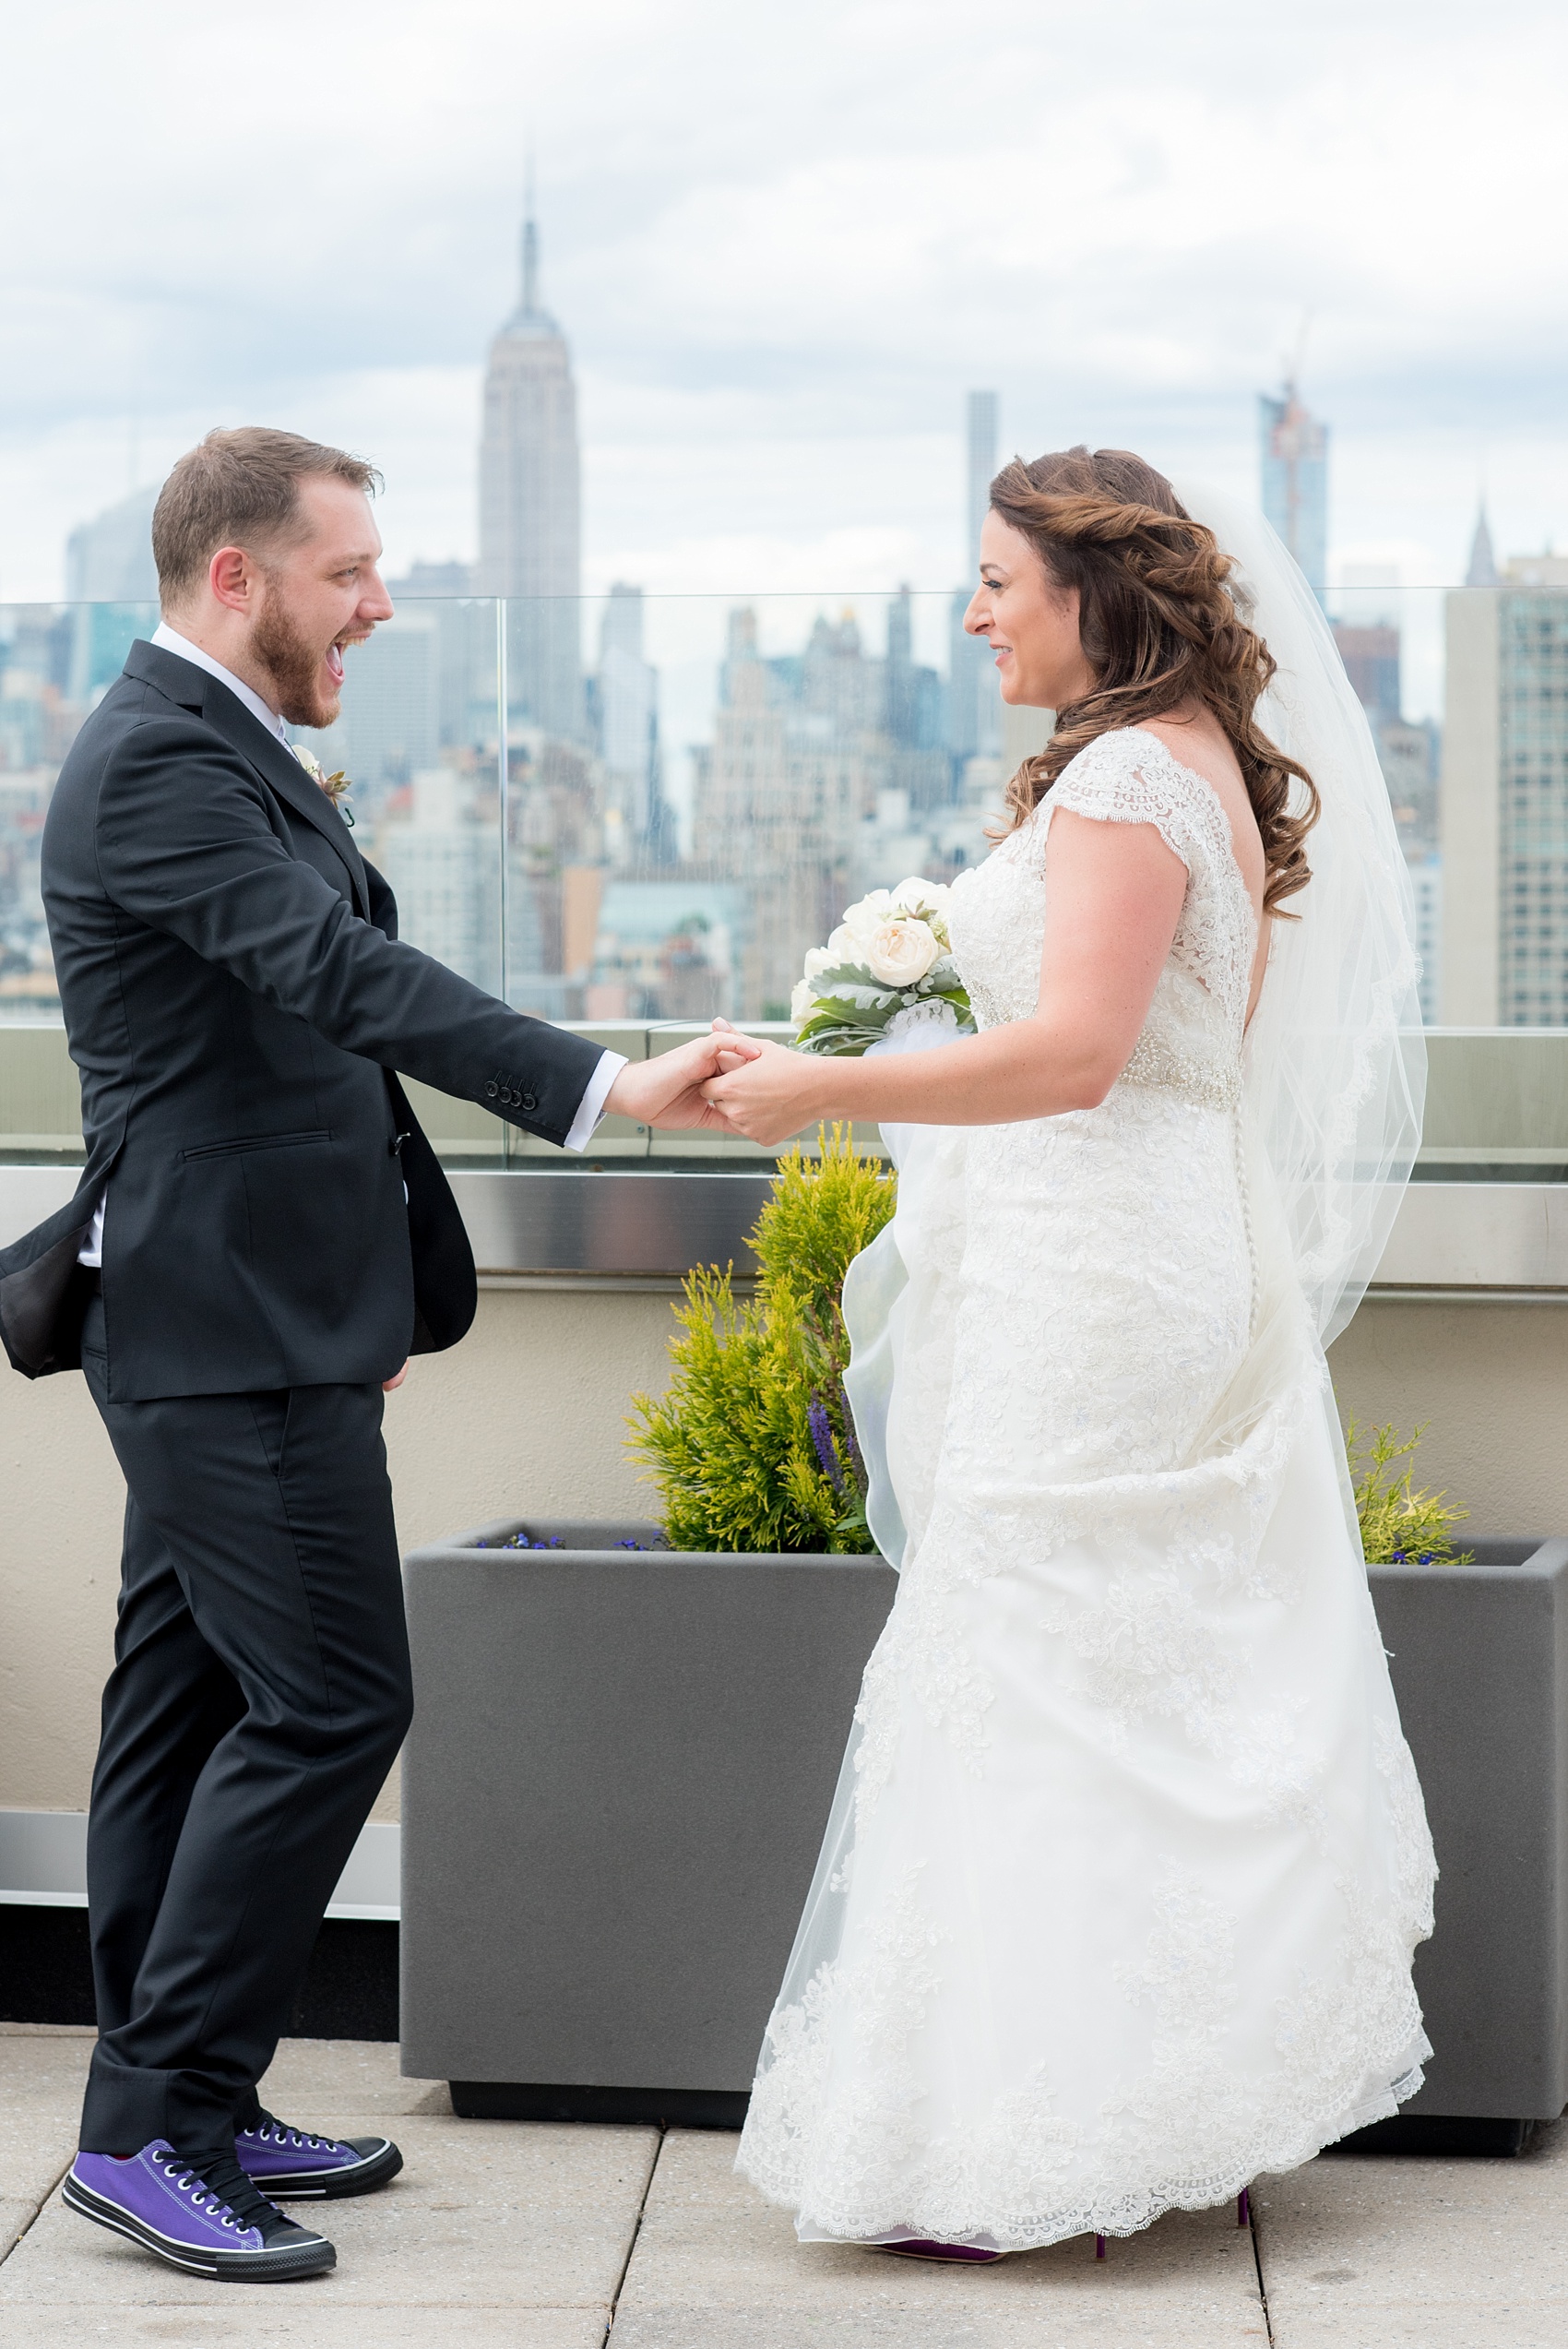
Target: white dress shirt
[[590, 1109]]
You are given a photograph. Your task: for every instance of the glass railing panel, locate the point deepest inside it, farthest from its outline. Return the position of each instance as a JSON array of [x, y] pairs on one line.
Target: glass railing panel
[[41, 1102], [1497, 1106]]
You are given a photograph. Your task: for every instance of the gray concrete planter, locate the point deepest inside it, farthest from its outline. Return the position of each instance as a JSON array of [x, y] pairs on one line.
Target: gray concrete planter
[[619, 1771], [623, 1760], [1478, 1656]]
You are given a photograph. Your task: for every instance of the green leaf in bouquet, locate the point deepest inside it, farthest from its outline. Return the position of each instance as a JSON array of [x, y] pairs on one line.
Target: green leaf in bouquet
[[853, 975], [853, 1012], [832, 1042]]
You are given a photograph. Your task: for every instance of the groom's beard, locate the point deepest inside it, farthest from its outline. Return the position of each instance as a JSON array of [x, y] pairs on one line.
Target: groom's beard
[[293, 664]]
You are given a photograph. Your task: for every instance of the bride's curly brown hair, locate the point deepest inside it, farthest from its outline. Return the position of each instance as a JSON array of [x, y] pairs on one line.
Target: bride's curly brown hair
[[1159, 627]]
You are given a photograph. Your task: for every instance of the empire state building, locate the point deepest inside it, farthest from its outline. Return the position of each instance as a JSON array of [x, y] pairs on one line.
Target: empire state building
[[530, 508]]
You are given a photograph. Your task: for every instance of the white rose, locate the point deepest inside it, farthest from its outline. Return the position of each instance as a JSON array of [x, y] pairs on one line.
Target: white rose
[[818, 960], [901, 953], [915, 896], [868, 913], [927, 900], [802, 1003], [846, 945]]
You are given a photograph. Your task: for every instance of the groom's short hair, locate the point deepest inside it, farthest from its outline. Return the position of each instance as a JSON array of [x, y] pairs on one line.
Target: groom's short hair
[[239, 488]]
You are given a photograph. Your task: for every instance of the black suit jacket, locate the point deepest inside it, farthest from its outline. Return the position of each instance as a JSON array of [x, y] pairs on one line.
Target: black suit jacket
[[237, 1000]]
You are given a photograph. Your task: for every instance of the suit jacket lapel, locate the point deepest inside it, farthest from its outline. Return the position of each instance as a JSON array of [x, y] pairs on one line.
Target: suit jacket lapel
[[193, 688], [283, 772]]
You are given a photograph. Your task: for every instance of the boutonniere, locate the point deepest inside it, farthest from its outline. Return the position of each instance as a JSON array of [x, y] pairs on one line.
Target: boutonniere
[[336, 786]]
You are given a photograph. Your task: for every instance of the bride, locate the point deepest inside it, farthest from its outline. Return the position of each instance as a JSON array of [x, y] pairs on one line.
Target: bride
[[1117, 1904]]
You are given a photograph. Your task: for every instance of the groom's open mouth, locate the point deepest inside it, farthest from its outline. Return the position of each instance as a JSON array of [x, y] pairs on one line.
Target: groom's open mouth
[[336, 651]]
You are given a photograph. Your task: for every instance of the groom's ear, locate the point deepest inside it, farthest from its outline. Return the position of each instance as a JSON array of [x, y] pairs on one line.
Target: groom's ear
[[232, 576]]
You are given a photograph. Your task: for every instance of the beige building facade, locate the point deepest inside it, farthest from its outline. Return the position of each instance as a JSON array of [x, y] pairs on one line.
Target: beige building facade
[[1504, 801]]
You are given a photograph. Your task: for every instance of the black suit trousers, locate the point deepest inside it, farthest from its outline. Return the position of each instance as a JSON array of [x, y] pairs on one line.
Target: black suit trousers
[[259, 1696]]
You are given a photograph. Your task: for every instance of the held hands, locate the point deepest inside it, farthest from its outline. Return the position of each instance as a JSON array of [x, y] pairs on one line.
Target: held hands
[[761, 1090], [670, 1090]]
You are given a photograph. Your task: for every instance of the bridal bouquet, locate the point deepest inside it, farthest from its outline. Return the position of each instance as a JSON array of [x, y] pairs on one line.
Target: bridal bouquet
[[891, 952]]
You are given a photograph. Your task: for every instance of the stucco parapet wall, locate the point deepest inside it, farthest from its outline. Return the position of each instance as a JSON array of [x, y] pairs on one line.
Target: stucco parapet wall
[[607, 1229]]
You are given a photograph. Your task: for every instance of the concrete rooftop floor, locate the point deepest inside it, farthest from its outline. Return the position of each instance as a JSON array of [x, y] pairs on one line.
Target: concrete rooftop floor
[[522, 2235]]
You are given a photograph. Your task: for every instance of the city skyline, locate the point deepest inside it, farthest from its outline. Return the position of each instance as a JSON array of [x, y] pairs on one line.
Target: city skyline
[[815, 770], [829, 757]]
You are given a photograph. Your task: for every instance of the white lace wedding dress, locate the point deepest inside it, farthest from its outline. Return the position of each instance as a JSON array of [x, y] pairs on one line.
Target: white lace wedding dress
[[1118, 1905]]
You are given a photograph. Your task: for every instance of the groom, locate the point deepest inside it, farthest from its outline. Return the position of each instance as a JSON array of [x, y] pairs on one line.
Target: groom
[[261, 1237]]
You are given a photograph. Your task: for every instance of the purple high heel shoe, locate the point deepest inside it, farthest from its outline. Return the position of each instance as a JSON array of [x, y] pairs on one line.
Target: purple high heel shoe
[[920, 2247]]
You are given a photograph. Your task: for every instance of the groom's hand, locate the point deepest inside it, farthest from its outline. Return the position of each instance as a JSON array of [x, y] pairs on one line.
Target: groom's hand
[[666, 1089]]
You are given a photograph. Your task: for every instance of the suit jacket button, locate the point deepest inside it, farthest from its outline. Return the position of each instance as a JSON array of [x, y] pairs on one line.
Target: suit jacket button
[[527, 1101], [491, 1090]]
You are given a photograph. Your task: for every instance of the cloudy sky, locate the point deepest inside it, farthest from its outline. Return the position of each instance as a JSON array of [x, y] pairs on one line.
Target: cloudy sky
[[784, 241]]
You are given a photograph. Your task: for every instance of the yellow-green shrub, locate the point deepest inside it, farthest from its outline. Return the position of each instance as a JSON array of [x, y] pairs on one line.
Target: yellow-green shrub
[[1398, 1523], [752, 1446]]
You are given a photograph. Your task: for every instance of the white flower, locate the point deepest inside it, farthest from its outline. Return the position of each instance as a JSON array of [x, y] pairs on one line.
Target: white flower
[[901, 953], [865, 915], [846, 945], [915, 896], [308, 761], [818, 960], [802, 1003], [927, 900]]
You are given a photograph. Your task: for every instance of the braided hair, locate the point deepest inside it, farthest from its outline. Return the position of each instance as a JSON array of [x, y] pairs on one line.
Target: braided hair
[[1159, 624]]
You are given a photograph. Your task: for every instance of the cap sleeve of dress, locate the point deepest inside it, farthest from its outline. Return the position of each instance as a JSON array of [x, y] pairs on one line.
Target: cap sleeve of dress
[[1129, 777]]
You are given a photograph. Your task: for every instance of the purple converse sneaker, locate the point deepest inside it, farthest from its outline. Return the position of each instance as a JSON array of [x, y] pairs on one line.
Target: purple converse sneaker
[[291, 2164], [210, 2221]]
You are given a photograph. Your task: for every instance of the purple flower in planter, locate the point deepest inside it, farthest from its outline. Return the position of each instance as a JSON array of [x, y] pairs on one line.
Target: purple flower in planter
[[821, 1426]]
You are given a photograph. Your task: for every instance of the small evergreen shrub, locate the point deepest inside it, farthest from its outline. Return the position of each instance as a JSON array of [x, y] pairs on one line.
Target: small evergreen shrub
[[753, 1447], [1399, 1524]]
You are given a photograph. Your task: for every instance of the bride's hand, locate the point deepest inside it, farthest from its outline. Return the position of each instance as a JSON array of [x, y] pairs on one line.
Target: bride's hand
[[770, 1097], [729, 1060]]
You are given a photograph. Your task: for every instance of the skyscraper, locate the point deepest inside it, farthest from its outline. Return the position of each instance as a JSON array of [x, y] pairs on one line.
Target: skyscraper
[[1482, 571], [798, 753], [627, 713], [1295, 480], [1504, 800], [530, 508], [111, 579], [974, 724], [1408, 755], [108, 560]]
